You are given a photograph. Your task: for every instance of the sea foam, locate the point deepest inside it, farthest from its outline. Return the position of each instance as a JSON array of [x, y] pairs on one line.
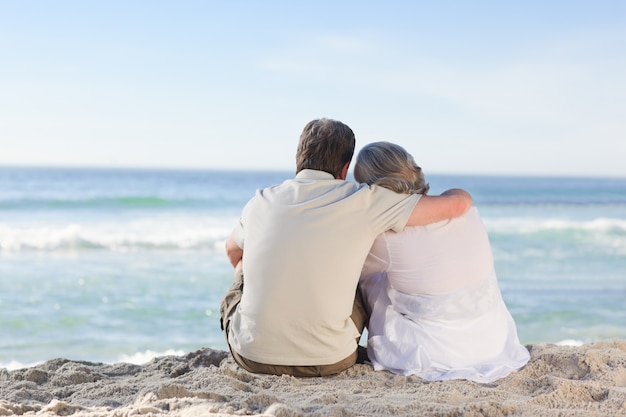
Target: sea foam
[[140, 234]]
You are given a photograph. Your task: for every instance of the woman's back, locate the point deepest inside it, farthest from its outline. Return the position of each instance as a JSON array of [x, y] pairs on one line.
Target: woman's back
[[436, 307], [439, 258]]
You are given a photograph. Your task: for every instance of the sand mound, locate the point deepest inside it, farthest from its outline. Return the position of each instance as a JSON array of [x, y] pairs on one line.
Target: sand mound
[[589, 380]]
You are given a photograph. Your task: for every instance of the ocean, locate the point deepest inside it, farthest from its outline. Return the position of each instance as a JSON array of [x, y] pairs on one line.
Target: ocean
[[111, 265]]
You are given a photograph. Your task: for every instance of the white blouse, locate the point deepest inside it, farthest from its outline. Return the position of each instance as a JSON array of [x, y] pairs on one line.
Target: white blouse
[[436, 308]]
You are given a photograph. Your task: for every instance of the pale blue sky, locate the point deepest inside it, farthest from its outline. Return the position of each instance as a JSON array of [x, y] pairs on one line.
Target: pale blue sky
[[528, 87]]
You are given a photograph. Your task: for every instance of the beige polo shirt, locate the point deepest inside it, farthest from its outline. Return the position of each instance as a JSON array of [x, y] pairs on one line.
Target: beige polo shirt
[[305, 242]]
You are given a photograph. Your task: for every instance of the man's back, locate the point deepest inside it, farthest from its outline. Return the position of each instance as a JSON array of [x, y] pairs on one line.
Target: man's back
[[305, 243]]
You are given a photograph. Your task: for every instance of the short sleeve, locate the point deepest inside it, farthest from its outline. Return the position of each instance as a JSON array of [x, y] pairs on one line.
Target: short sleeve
[[392, 210], [238, 232]]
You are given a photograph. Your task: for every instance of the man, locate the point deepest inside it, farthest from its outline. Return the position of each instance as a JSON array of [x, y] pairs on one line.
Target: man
[[305, 242]]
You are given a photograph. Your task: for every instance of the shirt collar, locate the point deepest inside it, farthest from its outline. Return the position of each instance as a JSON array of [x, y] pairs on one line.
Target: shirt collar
[[313, 174]]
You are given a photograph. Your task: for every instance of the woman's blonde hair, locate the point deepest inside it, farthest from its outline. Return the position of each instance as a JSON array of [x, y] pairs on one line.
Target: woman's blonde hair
[[391, 166]]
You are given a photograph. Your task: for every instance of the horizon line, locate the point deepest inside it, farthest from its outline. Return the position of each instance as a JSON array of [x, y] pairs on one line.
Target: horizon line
[[292, 170]]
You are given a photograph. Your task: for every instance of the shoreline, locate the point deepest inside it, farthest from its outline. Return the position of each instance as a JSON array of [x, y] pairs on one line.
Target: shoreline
[[586, 380]]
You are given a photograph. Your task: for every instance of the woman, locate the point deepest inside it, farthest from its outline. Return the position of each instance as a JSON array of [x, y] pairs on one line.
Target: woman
[[436, 308]]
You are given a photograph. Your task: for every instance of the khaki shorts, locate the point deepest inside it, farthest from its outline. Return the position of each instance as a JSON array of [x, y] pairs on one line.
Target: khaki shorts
[[232, 299]]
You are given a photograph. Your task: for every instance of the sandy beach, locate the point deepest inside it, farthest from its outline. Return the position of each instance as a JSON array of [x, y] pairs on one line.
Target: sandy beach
[[588, 380]]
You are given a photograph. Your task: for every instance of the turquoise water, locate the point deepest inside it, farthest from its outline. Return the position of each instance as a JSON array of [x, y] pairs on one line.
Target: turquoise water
[[124, 265]]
